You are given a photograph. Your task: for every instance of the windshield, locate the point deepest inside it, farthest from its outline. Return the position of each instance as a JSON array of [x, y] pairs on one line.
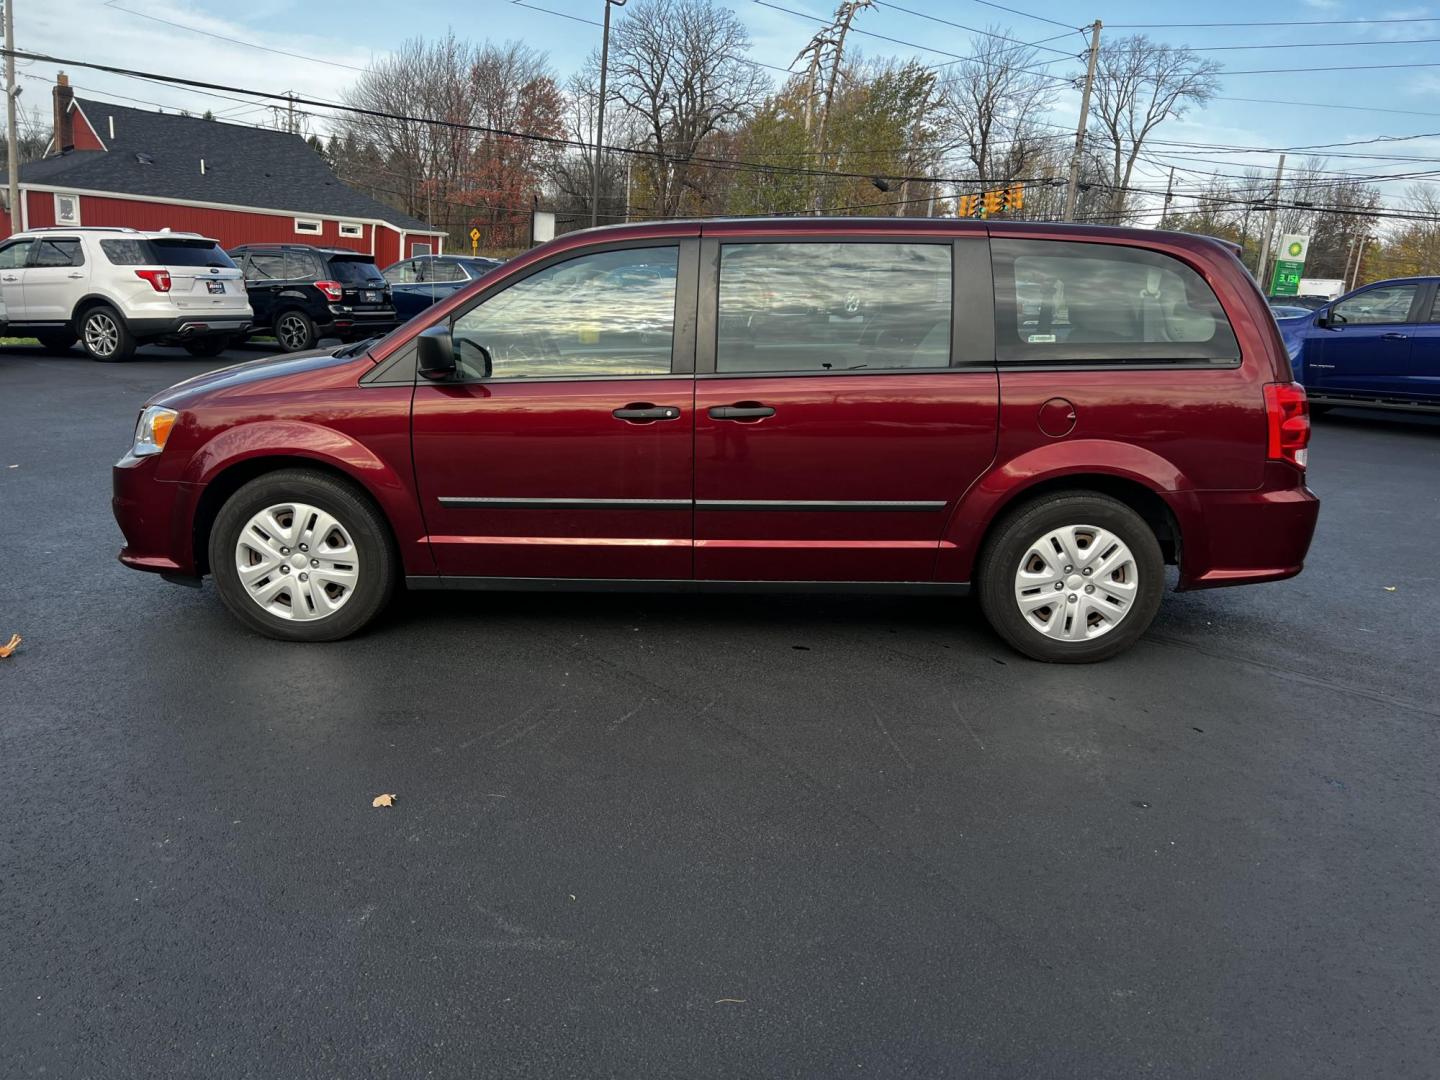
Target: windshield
[[190, 253], [356, 272]]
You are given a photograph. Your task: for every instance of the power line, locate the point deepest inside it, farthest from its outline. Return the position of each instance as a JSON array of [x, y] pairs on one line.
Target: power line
[[1287, 22], [1326, 105], [1027, 14], [234, 41], [1306, 70], [1318, 44], [962, 26]]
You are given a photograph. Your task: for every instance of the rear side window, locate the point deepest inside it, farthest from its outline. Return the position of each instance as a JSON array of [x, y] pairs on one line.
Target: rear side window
[[447, 271], [1060, 302], [58, 252], [263, 266], [833, 307], [401, 274], [126, 252], [356, 272], [299, 266], [189, 253]]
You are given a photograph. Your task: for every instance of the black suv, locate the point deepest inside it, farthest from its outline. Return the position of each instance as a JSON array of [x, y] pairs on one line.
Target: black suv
[[301, 293]]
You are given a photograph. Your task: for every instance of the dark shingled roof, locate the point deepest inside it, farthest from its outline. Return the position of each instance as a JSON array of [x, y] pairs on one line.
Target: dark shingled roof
[[244, 166]]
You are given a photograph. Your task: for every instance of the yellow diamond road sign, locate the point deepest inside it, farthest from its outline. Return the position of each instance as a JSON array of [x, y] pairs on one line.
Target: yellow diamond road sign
[[474, 236]]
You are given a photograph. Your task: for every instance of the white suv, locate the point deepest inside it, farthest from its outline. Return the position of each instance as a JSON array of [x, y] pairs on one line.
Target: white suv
[[114, 289]]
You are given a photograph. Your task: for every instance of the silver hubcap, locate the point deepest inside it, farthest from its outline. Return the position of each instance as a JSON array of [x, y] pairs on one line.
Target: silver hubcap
[[292, 332], [102, 336], [297, 561], [1076, 583]]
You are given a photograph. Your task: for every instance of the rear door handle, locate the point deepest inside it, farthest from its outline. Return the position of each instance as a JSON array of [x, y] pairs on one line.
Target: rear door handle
[[642, 412], [75, 275], [1394, 337], [744, 411]]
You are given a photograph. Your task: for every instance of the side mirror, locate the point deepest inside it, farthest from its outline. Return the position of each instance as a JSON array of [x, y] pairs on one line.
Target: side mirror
[[435, 353]]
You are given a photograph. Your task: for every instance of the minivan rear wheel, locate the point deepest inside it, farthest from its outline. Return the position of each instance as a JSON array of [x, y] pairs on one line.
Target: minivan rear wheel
[[104, 335], [1071, 578], [301, 556]]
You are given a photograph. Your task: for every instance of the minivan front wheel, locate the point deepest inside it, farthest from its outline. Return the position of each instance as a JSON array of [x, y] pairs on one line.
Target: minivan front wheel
[[299, 555], [1072, 578]]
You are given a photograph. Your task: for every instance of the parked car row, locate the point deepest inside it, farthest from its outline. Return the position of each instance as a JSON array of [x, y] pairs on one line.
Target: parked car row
[[115, 289]]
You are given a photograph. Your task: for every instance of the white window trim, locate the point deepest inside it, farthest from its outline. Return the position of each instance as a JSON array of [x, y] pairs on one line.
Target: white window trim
[[309, 226], [352, 229], [59, 195]]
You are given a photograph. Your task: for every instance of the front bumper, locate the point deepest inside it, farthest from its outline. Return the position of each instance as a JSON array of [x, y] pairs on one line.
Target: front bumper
[[155, 517], [1246, 537]]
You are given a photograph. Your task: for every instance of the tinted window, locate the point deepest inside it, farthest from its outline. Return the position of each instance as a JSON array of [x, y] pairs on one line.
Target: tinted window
[[446, 271], [611, 313], [299, 266], [126, 252], [12, 256], [356, 272], [833, 307], [401, 273], [1435, 308], [1060, 302], [263, 266], [1387, 304], [189, 253], [58, 252]]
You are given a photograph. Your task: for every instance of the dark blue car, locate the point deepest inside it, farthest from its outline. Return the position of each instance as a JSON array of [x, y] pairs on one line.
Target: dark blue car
[[419, 282], [1376, 346]]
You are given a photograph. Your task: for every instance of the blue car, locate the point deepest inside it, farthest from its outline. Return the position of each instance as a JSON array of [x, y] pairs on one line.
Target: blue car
[[1378, 346], [417, 283]]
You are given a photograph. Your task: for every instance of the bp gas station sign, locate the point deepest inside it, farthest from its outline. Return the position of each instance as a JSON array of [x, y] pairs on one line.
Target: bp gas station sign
[[1289, 262]]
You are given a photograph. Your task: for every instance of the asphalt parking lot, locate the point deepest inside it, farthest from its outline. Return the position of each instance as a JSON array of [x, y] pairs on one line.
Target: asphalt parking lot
[[720, 836]]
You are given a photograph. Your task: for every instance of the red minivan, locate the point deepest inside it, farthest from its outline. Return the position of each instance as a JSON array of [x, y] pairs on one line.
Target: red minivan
[[1047, 414]]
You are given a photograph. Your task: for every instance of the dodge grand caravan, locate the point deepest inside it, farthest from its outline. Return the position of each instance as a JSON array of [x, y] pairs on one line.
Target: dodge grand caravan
[[1046, 415]]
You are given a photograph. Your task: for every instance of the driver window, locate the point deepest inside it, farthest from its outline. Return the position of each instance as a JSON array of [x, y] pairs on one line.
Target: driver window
[[12, 256], [1390, 304], [610, 313]]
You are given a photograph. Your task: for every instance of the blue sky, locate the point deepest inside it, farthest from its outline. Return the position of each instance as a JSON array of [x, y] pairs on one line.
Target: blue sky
[[354, 31]]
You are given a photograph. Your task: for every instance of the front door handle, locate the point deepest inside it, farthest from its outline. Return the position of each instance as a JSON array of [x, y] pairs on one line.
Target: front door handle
[[744, 410], [75, 275], [10, 277], [642, 412], [1394, 337]]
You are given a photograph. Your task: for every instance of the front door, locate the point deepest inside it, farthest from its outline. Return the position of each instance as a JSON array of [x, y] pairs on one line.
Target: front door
[[55, 278], [841, 408], [1366, 347], [563, 450], [13, 256]]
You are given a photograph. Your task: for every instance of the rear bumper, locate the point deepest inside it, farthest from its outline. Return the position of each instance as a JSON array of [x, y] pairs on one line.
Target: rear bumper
[[185, 327], [1246, 537], [360, 323], [154, 516]]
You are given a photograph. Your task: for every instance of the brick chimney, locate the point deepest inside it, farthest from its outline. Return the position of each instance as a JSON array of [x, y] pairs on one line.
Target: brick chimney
[[64, 121]]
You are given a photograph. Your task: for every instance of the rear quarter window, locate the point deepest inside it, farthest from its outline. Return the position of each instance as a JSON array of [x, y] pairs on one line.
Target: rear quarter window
[[1064, 302], [355, 271]]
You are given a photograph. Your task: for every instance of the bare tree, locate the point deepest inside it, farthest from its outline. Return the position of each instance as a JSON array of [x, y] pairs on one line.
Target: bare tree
[[679, 66], [1139, 84], [991, 104]]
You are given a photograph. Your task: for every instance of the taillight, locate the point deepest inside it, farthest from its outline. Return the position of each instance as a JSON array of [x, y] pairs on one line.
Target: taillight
[[333, 290], [159, 279], [1288, 414]]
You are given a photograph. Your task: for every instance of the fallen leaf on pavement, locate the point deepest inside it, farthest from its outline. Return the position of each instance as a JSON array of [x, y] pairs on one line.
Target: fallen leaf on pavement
[[1389, 588], [10, 646], [729, 1001], [383, 800]]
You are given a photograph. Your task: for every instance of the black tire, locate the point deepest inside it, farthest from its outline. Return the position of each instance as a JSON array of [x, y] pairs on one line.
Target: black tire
[[295, 331], [207, 346], [56, 340], [375, 554], [104, 335], [1014, 537]]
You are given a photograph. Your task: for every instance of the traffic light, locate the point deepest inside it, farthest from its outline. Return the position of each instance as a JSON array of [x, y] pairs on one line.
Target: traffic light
[[994, 202], [1015, 197], [966, 206]]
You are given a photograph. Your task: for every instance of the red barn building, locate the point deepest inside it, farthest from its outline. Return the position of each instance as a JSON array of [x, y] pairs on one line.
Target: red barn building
[[115, 166]]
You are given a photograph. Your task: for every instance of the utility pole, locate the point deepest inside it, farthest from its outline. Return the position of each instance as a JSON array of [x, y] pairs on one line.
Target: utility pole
[[844, 16], [600, 120], [1349, 254], [1169, 194], [12, 141], [1072, 189], [1270, 226]]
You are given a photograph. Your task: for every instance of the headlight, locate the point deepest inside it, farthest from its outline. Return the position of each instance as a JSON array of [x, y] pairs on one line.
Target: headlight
[[153, 430]]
